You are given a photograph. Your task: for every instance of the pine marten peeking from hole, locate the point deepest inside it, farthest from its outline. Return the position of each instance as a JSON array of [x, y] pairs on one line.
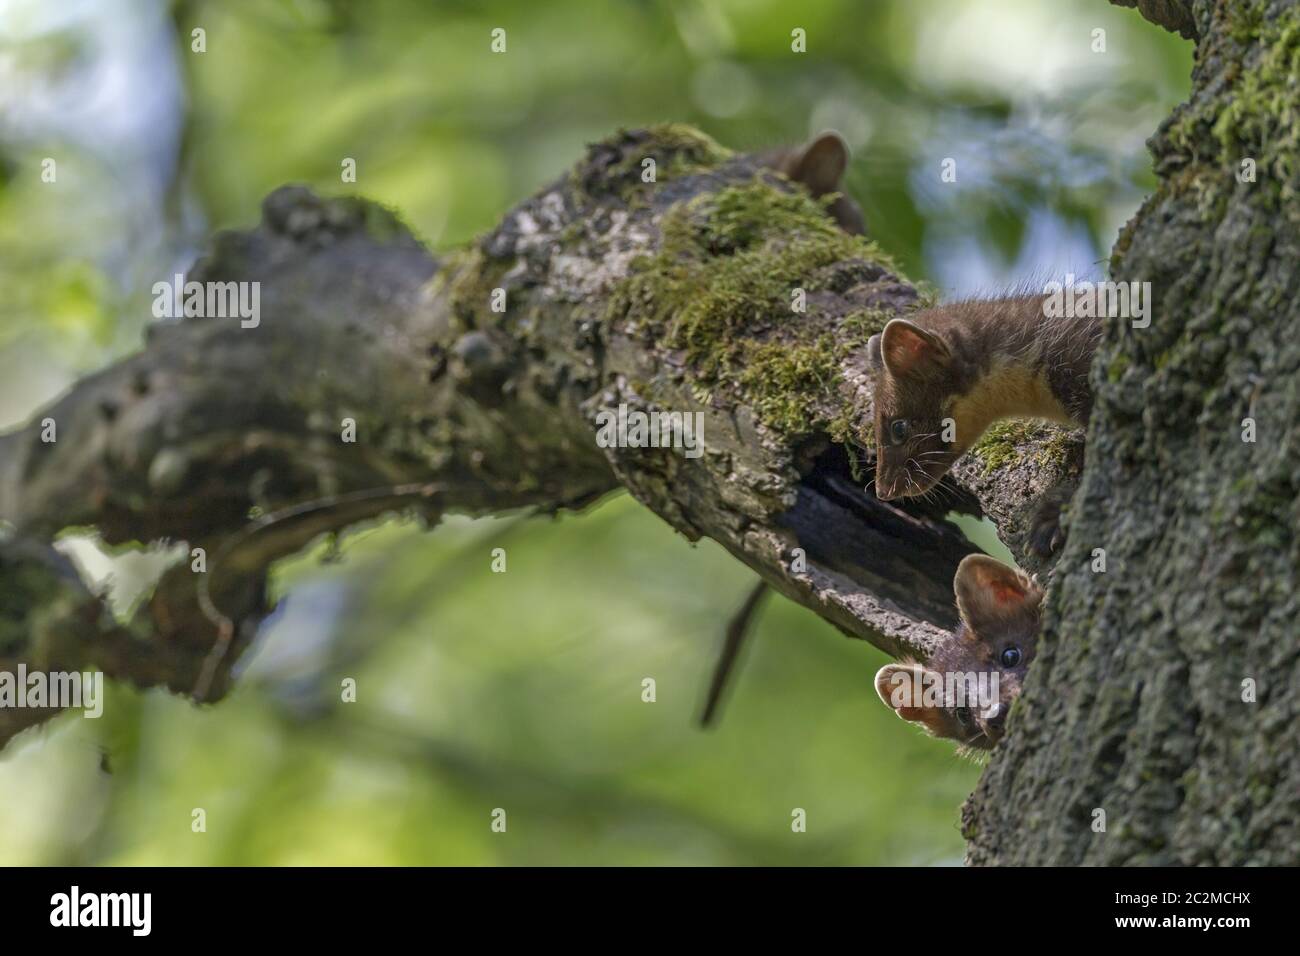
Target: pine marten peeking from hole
[[964, 691]]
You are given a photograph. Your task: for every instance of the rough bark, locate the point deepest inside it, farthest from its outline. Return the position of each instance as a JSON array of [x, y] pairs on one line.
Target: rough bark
[[673, 295], [1135, 706], [1175, 15]]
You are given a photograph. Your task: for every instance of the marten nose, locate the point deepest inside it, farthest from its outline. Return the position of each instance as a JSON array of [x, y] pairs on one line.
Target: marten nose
[[996, 716], [884, 490]]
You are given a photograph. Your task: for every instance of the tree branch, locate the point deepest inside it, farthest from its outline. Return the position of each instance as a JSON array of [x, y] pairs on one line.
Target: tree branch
[[673, 295], [1173, 15]]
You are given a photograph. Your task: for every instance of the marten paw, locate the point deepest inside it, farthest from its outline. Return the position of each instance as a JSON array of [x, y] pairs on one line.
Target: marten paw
[[1046, 529], [1046, 536]]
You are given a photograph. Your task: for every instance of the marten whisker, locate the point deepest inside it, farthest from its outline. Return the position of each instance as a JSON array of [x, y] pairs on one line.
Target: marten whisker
[[970, 364], [999, 613]]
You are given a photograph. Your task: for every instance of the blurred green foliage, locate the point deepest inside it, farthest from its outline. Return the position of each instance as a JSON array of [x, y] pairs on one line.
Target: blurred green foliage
[[522, 690]]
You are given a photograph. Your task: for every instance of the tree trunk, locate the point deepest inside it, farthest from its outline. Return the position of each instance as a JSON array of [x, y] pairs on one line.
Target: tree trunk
[[1138, 705]]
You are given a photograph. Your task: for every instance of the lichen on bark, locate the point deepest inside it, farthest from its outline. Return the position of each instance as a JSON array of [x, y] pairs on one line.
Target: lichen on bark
[[1165, 700]]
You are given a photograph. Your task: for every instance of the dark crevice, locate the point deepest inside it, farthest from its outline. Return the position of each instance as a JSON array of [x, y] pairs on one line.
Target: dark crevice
[[896, 551]]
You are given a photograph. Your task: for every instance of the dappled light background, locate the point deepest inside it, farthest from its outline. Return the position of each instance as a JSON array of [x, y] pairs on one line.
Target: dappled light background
[[519, 690]]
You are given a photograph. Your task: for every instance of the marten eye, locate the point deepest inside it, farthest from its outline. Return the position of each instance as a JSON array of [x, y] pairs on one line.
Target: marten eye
[[1010, 656], [899, 430], [963, 716]]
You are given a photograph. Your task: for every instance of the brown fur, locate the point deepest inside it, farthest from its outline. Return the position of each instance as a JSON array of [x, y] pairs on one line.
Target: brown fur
[[975, 363], [999, 608], [819, 165]]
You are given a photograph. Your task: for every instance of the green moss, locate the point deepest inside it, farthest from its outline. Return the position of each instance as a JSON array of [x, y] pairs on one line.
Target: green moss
[[1244, 22], [723, 284], [1254, 114], [677, 149], [858, 327], [1056, 450], [1265, 94], [1001, 444], [722, 288], [752, 288], [467, 277], [998, 445], [780, 380], [741, 217], [686, 150]]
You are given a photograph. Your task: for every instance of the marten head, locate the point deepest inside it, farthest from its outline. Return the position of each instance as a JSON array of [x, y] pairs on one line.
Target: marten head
[[819, 165], [915, 381], [963, 692]]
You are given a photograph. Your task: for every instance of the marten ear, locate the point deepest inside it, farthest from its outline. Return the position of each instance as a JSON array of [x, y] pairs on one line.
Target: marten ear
[[990, 594], [908, 350], [900, 686], [873, 351], [821, 164]]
